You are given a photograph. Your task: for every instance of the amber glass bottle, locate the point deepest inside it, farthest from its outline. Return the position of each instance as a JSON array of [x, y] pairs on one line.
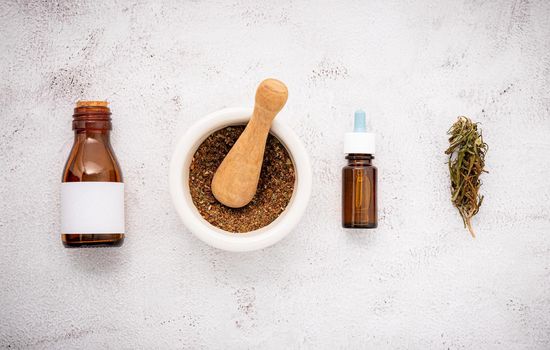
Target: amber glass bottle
[[359, 178], [359, 192], [92, 191]]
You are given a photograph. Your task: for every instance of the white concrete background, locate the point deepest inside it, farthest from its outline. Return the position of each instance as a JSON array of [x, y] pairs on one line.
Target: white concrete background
[[417, 282]]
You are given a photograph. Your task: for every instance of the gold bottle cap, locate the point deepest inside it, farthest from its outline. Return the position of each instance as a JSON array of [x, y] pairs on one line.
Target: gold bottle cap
[[92, 104]]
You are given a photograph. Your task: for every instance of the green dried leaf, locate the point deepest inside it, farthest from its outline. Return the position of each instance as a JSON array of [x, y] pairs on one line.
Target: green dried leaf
[[466, 163]]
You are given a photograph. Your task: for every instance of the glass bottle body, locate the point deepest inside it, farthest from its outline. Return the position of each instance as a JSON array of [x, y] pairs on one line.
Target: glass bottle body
[[92, 159], [359, 204]]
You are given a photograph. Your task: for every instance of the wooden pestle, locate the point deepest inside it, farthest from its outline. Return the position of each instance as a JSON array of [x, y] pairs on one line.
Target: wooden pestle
[[236, 180]]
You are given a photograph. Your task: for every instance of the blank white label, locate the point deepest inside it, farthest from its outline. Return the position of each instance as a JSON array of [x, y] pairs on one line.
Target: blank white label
[[92, 207]]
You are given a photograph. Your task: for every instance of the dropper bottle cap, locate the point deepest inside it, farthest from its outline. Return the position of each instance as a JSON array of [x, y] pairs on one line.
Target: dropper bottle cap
[[359, 141]]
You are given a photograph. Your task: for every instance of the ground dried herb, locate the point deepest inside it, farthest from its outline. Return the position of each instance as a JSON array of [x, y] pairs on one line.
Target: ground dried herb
[[466, 163], [275, 187]]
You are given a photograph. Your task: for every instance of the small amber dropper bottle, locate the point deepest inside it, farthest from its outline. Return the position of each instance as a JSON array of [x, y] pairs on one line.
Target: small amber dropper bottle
[[359, 177]]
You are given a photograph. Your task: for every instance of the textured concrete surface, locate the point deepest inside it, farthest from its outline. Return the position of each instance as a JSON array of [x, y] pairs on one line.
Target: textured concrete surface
[[417, 282]]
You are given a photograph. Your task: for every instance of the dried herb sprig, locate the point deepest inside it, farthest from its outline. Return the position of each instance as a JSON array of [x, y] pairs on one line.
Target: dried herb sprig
[[466, 163]]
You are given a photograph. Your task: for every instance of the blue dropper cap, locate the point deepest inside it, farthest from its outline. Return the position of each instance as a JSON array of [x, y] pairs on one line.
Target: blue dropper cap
[[359, 141], [360, 123]]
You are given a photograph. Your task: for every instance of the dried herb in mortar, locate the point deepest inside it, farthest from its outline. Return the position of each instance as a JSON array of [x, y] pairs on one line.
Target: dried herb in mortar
[[275, 187], [466, 163]]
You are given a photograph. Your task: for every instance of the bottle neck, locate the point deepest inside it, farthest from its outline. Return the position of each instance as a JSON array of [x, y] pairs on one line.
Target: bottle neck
[[103, 136], [359, 159], [92, 120]]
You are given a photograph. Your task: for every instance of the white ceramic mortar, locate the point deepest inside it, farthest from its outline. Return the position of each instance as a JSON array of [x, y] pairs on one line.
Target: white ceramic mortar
[[214, 236]]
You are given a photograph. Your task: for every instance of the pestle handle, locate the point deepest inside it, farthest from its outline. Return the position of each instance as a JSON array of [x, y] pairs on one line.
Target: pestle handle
[[271, 96], [236, 180]]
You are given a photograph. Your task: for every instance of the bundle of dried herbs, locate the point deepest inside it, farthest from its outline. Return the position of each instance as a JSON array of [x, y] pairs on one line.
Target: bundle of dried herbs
[[466, 163]]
